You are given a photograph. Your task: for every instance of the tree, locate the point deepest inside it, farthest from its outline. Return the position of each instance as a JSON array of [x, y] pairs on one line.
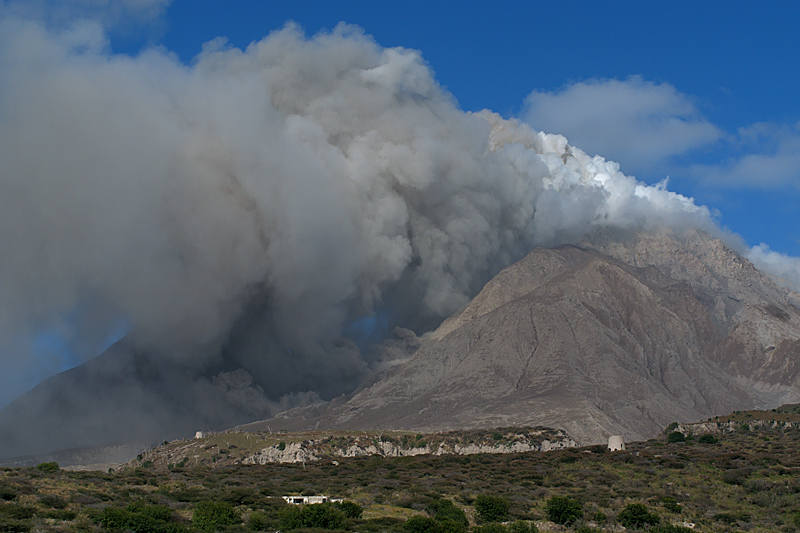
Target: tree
[[491, 508], [563, 510], [636, 516]]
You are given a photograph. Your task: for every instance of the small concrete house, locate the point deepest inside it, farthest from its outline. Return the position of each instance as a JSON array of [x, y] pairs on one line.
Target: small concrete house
[[300, 500]]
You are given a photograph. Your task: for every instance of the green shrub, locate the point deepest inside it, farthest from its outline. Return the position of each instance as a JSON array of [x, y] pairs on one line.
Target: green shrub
[[494, 527], [599, 517], [210, 516], [421, 524], [52, 466], [523, 527], [54, 501], [636, 516], [16, 512], [384, 524], [10, 525], [671, 504], [563, 510], [737, 476], [281, 445], [157, 512], [318, 515], [350, 509], [258, 522], [7, 493], [490, 508], [707, 438], [59, 514], [444, 510], [676, 436]]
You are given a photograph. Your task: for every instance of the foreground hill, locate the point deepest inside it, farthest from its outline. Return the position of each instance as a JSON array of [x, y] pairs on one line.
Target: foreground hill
[[745, 480], [620, 336]]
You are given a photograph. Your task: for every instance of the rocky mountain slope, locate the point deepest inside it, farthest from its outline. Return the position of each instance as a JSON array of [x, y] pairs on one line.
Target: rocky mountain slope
[[622, 334], [619, 336]]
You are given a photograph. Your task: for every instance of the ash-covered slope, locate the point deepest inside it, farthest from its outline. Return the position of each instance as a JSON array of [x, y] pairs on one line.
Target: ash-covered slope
[[123, 396], [596, 344]]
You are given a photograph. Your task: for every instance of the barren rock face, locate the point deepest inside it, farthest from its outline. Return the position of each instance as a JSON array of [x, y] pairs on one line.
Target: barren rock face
[[615, 337]]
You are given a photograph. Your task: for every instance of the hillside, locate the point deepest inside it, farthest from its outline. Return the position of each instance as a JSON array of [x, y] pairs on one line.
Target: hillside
[[746, 480], [661, 328]]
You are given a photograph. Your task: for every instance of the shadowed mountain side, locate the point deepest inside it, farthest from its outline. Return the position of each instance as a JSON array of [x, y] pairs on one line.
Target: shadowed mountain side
[[575, 339], [122, 396], [759, 319]]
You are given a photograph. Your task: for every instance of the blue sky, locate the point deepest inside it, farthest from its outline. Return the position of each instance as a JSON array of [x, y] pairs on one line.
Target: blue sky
[[702, 93], [736, 64]]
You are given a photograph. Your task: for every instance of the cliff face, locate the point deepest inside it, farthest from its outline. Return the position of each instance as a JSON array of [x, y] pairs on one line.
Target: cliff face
[[615, 337]]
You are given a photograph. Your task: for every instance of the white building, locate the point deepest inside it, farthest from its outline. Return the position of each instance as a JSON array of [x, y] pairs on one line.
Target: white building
[[299, 500], [616, 443]]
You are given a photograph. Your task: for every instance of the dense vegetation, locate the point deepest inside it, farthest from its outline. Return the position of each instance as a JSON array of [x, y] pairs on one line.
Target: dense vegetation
[[748, 480]]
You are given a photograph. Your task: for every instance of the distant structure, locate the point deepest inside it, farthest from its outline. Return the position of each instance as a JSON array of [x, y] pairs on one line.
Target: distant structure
[[298, 500], [199, 435], [616, 443]]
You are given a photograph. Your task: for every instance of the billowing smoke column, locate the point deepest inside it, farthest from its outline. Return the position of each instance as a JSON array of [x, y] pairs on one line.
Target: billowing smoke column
[[290, 189]]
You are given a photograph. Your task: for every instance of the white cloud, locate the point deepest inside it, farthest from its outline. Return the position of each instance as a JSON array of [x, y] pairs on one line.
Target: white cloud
[[771, 160], [636, 122], [786, 267]]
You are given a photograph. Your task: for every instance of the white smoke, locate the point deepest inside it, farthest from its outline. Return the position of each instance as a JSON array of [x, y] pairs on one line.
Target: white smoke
[[315, 180]]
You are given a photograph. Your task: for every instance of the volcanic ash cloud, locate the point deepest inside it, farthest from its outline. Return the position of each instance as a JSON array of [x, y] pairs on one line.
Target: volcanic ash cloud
[[297, 185]]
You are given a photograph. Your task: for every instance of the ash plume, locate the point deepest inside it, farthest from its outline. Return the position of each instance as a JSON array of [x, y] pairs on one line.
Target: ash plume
[[249, 208]]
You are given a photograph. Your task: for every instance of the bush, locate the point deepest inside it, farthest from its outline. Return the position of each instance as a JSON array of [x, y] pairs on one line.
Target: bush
[[563, 511], [671, 504], [421, 524], [523, 527], [7, 493], [210, 516], [676, 436], [16, 512], [51, 500], [737, 476], [636, 516], [318, 515], [708, 438], [52, 466], [139, 518], [444, 510], [384, 524], [490, 528], [490, 508], [8, 525], [350, 509]]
